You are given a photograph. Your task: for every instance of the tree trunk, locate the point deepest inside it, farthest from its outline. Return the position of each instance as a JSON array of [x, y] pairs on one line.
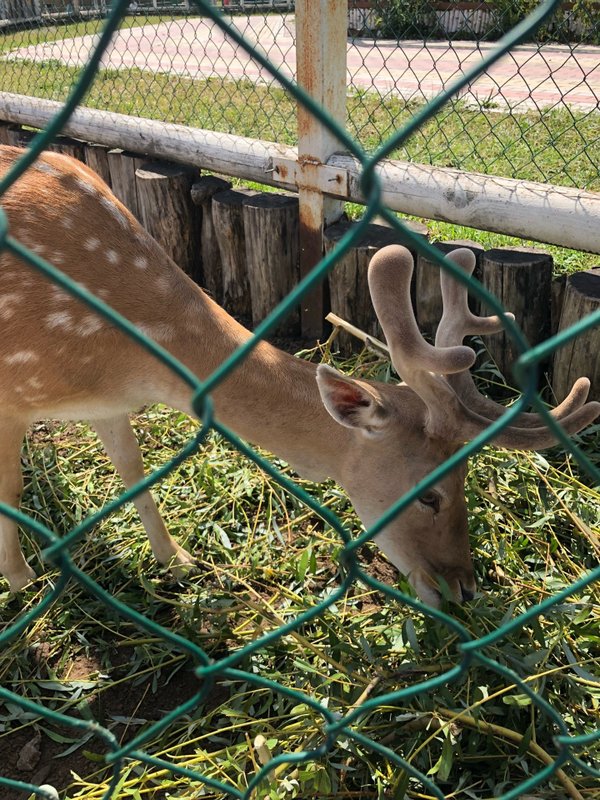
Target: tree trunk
[[348, 286], [521, 279], [168, 214], [229, 229], [580, 357], [203, 192], [271, 229]]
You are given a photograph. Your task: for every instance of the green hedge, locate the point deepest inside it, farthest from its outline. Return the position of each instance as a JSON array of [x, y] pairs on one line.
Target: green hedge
[[574, 22]]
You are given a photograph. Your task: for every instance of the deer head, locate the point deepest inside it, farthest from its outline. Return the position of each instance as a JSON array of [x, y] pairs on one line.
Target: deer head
[[414, 427]]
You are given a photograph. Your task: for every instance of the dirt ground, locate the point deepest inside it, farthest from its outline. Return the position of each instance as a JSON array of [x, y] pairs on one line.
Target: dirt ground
[[30, 755]]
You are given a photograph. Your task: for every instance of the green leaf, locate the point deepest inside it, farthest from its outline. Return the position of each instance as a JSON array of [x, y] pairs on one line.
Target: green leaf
[[517, 700], [443, 765], [524, 745], [303, 563]]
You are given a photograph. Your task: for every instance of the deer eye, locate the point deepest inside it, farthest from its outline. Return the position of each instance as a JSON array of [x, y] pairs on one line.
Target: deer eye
[[430, 499]]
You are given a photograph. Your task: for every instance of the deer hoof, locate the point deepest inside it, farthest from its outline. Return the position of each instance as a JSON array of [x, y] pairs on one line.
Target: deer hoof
[[182, 564]]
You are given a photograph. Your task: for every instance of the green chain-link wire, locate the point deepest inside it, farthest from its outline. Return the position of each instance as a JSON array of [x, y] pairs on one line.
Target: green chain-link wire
[[57, 549]]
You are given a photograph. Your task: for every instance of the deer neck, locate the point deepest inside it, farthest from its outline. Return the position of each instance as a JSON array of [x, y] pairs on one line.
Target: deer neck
[[270, 399]]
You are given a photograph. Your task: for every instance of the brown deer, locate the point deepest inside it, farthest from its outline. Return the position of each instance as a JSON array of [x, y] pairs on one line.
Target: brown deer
[[62, 360]]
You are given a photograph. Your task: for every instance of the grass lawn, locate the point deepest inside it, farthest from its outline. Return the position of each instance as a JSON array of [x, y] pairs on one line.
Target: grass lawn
[[264, 558]]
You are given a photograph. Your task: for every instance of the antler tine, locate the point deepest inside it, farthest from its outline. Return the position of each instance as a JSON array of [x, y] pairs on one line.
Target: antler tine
[[418, 363], [389, 276], [458, 321], [540, 437]]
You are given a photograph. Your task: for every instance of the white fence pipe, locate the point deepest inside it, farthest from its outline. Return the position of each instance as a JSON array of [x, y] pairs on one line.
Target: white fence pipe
[[544, 213]]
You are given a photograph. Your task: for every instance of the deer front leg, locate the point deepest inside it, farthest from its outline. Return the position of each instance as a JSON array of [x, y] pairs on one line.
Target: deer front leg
[[13, 566], [123, 450]]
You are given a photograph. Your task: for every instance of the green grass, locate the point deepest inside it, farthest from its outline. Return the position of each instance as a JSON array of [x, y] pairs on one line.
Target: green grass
[[263, 560], [52, 33]]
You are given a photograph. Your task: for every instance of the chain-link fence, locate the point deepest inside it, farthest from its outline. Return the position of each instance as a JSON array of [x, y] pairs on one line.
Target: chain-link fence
[[534, 115], [472, 651]]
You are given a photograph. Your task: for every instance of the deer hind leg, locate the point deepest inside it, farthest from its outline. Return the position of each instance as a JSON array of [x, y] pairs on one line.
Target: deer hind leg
[[123, 450], [13, 566]]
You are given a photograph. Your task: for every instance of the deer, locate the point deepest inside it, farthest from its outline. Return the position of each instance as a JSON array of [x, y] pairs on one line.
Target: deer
[[62, 360]]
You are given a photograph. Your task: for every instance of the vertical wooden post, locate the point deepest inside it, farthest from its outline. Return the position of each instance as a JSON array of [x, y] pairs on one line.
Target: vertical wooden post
[[96, 157], [166, 211], [228, 220], [521, 278], [203, 191], [122, 166], [321, 63], [271, 236], [68, 146], [349, 290], [428, 294], [579, 356], [5, 132]]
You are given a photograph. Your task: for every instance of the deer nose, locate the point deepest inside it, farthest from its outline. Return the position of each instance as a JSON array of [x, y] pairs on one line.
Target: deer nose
[[467, 594]]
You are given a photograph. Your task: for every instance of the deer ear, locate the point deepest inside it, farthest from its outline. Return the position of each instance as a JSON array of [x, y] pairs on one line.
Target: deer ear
[[350, 402]]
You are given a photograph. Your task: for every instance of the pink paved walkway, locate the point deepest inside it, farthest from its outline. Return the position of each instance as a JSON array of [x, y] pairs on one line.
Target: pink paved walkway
[[553, 75]]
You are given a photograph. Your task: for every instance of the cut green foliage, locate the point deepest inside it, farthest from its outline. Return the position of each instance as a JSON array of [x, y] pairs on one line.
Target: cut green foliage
[[262, 560]]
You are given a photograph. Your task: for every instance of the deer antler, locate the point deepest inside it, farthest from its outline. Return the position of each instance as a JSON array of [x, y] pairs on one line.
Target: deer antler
[[440, 375]]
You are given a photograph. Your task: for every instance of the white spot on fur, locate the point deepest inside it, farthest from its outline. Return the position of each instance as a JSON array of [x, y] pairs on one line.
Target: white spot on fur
[[58, 295], [89, 325], [59, 319], [160, 332], [85, 186], [112, 256], [43, 166], [9, 305], [25, 239], [34, 383], [66, 222], [80, 169], [141, 262], [93, 243], [21, 357]]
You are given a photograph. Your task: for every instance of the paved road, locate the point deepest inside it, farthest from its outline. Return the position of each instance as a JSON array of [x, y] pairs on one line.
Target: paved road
[[526, 78]]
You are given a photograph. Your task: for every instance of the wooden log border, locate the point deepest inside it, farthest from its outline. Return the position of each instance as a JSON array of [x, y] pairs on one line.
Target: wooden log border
[[547, 304]]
